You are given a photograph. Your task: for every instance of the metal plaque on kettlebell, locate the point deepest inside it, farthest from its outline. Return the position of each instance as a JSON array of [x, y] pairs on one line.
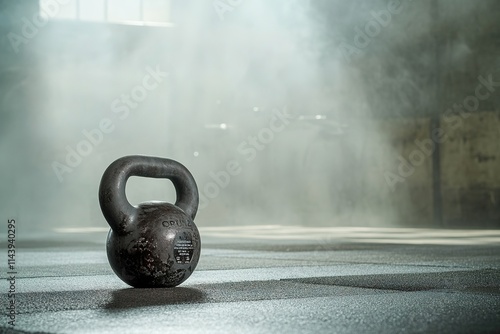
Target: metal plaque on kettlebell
[[154, 244]]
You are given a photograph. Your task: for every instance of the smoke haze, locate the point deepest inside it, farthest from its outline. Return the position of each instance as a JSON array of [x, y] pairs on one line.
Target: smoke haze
[[290, 94]]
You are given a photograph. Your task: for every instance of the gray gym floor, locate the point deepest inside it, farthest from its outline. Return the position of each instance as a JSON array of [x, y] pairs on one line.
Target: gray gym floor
[[269, 279]]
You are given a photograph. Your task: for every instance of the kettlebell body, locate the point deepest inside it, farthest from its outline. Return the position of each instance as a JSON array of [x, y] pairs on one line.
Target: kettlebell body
[[154, 244]]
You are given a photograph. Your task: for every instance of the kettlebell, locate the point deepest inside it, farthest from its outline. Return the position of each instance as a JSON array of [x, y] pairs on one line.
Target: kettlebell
[[153, 244]]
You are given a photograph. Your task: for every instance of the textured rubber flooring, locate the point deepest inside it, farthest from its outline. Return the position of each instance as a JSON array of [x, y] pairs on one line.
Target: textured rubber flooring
[[420, 282]]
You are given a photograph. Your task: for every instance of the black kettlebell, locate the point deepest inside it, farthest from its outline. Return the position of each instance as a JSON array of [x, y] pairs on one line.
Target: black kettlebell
[[154, 244]]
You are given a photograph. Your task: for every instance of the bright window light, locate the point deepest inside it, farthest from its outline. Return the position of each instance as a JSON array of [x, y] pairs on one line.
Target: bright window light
[[92, 10], [124, 10], [137, 12], [156, 10]]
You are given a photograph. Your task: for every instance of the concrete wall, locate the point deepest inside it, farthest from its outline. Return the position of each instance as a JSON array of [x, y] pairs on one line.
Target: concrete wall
[[470, 171], [470, 165]]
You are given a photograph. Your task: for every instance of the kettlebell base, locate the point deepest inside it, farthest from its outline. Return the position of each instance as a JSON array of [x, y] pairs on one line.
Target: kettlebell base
[[161, 251], [142, 266]]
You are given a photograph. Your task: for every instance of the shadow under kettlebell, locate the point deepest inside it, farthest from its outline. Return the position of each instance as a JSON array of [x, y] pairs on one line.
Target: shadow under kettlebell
[[131, 298]]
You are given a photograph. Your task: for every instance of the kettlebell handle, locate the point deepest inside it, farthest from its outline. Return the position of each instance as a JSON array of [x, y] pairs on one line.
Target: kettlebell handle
[[114, 204]]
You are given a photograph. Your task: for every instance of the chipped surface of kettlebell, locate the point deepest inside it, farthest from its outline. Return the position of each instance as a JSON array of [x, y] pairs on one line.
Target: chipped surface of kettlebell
[[153, 244]]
